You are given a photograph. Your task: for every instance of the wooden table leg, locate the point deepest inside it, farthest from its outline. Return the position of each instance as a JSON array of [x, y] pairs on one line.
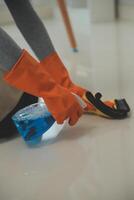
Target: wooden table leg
[[65, 15]]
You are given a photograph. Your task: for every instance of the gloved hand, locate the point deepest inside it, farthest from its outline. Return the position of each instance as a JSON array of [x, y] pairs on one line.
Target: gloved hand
[[54, 66], [28, 75], [115, 108]]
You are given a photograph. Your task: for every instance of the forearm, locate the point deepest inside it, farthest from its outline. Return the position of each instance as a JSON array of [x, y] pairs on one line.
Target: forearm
[[9, 51], [31, 27]]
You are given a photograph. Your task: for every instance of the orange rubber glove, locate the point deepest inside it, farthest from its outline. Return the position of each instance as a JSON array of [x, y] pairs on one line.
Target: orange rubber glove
[[54, 66], [28, 75]]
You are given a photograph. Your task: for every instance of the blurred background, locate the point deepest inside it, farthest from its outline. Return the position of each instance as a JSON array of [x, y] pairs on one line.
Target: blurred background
[[97, 8], [101, 30], [98, 30]]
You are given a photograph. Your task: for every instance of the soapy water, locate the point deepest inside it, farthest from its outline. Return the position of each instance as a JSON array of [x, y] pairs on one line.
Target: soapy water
[[36, 124], [32, 122]]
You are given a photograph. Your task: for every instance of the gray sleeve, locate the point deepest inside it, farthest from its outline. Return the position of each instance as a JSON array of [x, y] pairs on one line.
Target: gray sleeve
[[9, 51], [31, 27]]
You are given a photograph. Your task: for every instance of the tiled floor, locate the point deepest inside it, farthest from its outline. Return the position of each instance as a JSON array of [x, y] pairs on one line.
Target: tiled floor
[[93, 160]]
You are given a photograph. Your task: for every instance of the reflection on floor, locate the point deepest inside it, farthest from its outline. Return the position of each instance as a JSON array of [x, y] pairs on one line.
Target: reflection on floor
[[93, 160]]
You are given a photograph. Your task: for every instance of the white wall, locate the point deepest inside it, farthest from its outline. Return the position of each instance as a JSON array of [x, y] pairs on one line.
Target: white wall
[[128, 2], [77, 3], [43, 2], [126, 9], [104, 10], [101, 10]]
